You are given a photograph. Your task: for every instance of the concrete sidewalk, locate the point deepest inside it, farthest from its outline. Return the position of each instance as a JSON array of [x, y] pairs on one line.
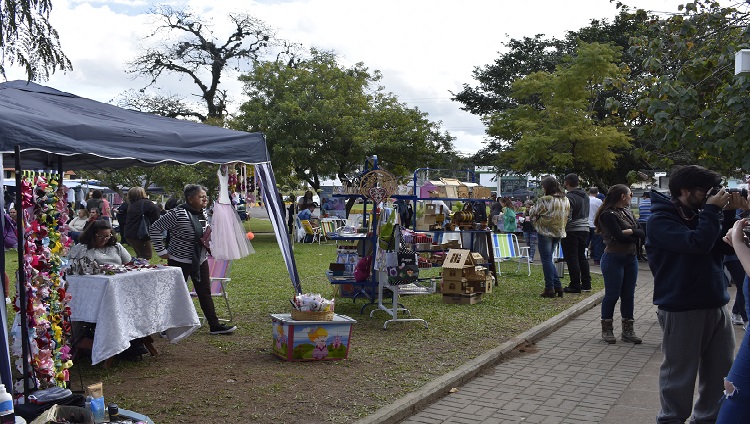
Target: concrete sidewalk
[[573, 376]]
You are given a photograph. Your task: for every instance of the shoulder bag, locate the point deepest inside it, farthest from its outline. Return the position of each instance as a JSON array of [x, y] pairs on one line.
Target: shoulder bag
[[142, 233]]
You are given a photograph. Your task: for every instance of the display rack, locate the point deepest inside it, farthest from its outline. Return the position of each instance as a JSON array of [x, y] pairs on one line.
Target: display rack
[[415, 197]]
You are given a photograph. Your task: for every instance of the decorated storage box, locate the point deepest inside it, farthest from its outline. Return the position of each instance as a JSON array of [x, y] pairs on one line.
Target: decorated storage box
[[311, 340]]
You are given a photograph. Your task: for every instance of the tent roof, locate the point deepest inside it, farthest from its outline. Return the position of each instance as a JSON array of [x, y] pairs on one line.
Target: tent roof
[[46, 122]]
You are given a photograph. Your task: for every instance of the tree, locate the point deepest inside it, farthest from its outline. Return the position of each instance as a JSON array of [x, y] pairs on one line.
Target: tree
[[29, 40], [493, 91], [698, 109], [321, 120], [170, 177], [564, 132], [196, 54]]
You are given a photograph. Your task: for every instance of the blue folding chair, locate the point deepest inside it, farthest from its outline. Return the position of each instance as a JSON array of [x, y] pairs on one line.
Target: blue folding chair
[[505, 247]]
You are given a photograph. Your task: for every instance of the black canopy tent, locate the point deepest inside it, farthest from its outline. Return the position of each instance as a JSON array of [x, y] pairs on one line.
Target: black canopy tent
[[42, 128]]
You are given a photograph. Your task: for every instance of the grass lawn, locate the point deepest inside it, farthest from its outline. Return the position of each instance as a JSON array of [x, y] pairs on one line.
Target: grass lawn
[[383, 365]]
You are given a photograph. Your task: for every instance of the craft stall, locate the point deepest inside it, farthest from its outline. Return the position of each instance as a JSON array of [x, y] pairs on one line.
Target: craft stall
[[44, 131]]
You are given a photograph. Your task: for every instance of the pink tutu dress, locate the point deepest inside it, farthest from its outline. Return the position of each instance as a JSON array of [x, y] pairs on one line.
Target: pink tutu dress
[[228, 239]]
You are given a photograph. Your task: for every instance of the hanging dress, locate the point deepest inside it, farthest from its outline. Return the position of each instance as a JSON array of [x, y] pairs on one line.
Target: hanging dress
[[228, 239]]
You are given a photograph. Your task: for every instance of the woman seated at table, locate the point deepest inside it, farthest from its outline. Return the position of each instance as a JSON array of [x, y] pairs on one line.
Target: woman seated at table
[[78, 224], [99, 243]]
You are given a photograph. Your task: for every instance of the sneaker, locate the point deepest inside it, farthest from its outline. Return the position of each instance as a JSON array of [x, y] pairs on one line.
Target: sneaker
[[223, 329], [737, 319], [586, 289], [572, 289]]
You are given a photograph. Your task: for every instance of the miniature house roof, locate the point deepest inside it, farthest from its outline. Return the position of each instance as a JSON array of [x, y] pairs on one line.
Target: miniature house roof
[[458, 259]]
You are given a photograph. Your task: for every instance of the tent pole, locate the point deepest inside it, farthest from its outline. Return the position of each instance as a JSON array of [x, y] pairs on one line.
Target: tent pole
[[22, 278]]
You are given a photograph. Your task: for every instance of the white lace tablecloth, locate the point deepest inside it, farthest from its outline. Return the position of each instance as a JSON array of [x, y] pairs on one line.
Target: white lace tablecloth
[[131, 305]]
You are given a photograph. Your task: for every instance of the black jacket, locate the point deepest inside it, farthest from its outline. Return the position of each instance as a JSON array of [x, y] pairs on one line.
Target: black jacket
[[133, 216]]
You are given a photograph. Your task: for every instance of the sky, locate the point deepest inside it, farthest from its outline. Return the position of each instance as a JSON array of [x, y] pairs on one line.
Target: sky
[[425, 49]]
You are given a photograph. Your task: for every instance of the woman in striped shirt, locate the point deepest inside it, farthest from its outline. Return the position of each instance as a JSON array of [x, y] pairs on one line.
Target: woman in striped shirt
[[186, 224]]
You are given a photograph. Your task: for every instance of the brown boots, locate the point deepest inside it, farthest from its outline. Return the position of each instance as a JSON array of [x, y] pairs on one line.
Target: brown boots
[[608, 334], [628, 334]]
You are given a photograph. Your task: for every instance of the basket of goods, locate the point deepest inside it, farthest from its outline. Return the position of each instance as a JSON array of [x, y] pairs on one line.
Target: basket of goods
[[312, 307]]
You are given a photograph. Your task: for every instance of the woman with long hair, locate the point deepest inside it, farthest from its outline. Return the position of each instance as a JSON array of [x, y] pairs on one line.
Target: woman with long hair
[[549, 215], [622, 239]]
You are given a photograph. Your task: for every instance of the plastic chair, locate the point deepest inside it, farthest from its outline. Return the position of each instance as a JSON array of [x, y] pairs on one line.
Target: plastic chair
[[218, 270], [505, 247]]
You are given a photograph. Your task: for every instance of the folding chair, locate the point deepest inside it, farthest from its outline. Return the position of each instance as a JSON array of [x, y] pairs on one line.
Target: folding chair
[[328, 228], [505, 247], [218, 270]]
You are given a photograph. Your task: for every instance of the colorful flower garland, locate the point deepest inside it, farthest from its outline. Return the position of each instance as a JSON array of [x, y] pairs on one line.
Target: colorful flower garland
[[47, 310]]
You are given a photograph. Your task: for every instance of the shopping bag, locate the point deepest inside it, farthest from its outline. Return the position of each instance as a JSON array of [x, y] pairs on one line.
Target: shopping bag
[[406, 270], [142, 233], [385, 239]]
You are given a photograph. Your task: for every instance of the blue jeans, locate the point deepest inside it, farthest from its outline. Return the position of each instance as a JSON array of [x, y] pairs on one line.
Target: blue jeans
[[547, 245], [620, 272], [736, 407]]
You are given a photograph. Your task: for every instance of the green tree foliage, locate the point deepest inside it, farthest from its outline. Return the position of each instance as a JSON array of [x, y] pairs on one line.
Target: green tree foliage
[[171, 178], [322, 120], [493, 91], [187, 47], [694, 109], [28, 39], [556, 128]]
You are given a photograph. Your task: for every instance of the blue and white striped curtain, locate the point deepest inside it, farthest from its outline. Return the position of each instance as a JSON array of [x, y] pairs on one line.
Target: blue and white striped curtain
[[275, 207]]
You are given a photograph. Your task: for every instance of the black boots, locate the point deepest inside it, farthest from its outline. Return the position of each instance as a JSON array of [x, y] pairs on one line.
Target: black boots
[[628, 334], [608, 334]]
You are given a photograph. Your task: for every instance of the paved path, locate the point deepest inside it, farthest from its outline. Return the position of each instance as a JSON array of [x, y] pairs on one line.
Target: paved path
[[573, 377]]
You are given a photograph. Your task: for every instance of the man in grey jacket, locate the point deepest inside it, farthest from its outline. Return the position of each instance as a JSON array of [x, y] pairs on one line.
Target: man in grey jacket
[[577, 232]]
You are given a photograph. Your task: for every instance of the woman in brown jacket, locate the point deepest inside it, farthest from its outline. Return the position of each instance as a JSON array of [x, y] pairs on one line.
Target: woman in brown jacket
[[622, 238]]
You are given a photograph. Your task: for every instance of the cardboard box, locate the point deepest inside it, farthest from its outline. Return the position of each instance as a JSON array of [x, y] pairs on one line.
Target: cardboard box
[[311, 340], [481, 193], [462, 299], [64, 413], [451, 187]]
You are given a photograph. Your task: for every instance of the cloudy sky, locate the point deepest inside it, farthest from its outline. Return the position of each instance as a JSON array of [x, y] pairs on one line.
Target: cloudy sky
[[425, 49]]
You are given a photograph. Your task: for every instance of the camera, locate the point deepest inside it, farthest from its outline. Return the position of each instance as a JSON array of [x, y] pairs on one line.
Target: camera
[[715, 190]]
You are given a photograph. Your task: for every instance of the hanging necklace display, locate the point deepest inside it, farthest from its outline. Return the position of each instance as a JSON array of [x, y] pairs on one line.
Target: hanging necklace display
[[46, 309]]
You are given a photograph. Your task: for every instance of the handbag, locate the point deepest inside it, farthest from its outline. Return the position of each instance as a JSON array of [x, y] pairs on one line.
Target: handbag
[[407, 269], [206, 238], [142, 233]]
